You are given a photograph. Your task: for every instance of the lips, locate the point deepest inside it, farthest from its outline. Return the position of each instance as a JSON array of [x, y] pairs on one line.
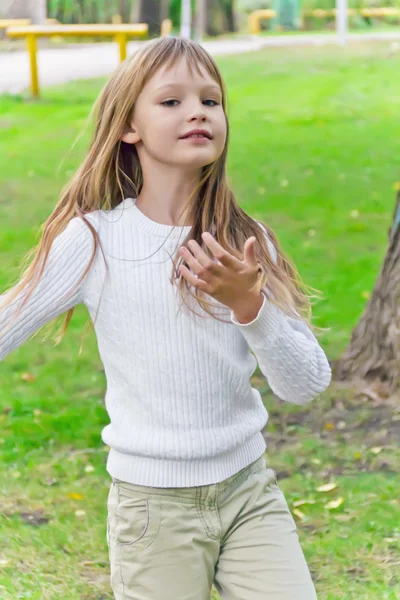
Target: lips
[[197, 133]]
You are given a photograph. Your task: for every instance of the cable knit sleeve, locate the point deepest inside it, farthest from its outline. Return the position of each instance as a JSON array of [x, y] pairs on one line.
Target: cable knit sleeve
[[287, 352], [57, 290]]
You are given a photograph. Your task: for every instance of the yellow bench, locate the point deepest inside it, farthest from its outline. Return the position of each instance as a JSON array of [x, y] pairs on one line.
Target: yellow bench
[[380, 12], [255, 17], [119, 32], [5, 23]]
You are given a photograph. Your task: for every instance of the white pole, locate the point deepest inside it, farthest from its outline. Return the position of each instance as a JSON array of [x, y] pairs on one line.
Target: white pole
[[341, 21], [186, 19]]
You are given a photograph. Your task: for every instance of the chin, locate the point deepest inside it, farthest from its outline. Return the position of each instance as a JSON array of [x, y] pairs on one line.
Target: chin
[[198, 161]]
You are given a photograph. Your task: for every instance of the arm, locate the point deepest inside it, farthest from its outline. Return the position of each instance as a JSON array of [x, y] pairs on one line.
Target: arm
[[67, 260], [287, 351]]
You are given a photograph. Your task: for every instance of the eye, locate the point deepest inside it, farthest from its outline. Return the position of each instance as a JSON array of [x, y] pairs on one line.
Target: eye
[[167, 102]]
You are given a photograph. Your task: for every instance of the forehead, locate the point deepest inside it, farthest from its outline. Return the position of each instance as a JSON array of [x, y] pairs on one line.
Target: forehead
[[181, 72]]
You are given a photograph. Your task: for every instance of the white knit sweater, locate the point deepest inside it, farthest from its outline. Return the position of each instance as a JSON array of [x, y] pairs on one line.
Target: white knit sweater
[[181, 408]]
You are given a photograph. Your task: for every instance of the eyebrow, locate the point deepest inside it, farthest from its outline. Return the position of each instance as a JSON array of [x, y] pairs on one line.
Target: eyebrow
[[213, 86]]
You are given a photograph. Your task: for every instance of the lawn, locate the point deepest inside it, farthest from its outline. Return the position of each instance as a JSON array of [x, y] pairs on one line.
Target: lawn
[[314, 152]]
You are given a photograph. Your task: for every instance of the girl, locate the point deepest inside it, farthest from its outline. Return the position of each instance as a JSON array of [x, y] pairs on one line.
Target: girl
[[148, 225]]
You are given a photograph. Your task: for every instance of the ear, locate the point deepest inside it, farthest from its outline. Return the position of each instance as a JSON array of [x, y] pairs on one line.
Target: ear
[[130, 136]]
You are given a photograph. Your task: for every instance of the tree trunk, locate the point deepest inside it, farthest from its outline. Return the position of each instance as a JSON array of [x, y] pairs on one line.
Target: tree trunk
[[24, 9], [373, 354], [124, 10], [229, 14], [164, 9], [213, 17], [149, 11], [220, 16]]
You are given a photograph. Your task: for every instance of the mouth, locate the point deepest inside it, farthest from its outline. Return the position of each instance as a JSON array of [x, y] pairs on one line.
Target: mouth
[[197, 134]]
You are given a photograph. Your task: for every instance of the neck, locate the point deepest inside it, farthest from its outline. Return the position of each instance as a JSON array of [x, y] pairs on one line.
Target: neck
[[165, 193]]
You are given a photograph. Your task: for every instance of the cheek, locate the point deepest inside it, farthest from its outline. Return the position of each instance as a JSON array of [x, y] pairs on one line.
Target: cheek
[[221, 135]]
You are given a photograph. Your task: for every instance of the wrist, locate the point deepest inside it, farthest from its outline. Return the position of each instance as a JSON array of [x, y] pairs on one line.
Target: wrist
[[248, 308]]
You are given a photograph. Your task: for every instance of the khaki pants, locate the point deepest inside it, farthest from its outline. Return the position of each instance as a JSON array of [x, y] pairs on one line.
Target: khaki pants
[[174, 543]]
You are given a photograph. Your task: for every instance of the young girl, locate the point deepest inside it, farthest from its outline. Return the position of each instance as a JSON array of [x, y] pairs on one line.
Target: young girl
[[146, 227]]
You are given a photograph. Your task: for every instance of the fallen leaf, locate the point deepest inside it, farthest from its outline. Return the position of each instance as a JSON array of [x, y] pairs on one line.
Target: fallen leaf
[[301, 502], [334, 503], [329, 426], [28, 377], [327, 487], [300, 515], [375, 450], [80, 513], [4, 561], [344, 517]]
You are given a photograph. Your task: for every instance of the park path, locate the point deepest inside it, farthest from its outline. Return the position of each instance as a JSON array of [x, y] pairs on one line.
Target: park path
[[97, 60]]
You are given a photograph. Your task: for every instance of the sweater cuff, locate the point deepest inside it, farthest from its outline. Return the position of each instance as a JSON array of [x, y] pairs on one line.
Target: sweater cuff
[[266, 323]]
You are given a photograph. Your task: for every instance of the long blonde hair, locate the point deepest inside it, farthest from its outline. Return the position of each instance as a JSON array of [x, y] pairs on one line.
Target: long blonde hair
[[111, 172]]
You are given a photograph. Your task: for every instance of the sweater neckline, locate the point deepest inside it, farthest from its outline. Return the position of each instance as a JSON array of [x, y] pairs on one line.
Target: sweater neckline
[[153, 227]]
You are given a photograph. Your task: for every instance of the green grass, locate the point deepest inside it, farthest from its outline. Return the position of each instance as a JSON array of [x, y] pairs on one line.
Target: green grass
[[314, 137]]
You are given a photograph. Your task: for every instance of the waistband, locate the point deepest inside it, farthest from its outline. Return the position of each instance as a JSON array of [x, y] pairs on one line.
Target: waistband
[[202, 492]]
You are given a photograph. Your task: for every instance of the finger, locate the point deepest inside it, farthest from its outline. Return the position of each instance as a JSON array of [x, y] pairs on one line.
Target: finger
[[204, 260], [249, 251], [192, 279], [191, 260], [222, 255]]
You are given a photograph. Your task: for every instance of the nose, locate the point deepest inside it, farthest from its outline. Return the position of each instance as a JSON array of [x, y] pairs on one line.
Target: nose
[[197, 112]]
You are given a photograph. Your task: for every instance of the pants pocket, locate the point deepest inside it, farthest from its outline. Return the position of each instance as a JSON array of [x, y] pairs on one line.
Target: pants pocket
[[137, 518]]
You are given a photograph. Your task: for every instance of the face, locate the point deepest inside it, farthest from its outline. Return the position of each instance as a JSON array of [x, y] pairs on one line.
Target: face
[[173, 103]]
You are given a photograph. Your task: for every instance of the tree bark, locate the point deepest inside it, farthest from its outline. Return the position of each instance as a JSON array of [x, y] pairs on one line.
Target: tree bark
[[149, 11], [229, 14], [373, 354], [220, 16], [124, 10], [164, 9]]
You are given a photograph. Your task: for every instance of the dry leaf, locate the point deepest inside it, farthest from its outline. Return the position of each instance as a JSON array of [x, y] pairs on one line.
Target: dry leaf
[[334, 503], [344, 517], [28, 377], [329, 426], [4, 561], [80, 513], [300, 515], [301, 502], [327, 487], [375, 450]]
